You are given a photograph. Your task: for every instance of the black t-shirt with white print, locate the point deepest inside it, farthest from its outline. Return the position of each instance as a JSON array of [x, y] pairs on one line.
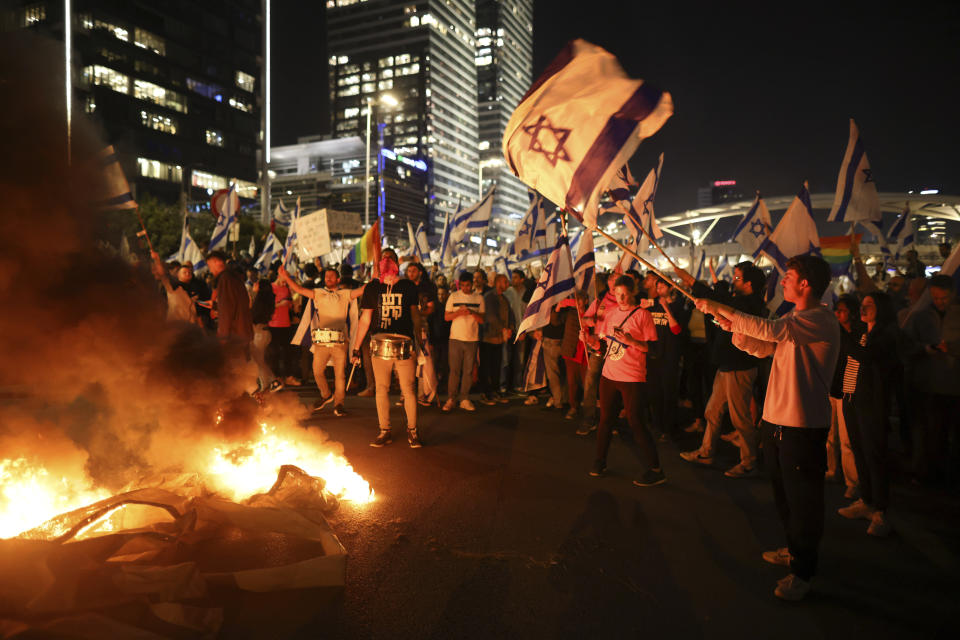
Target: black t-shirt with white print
[[391, 306]]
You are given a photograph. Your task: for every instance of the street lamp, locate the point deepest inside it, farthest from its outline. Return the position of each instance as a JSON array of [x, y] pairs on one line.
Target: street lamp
[[390, 101]]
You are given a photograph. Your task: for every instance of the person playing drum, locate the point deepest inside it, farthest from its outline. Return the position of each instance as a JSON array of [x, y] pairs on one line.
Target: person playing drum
[[328, 323], [390, 306]]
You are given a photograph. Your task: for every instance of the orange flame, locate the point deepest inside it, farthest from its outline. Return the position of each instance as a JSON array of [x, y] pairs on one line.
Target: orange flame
[[30, 495], [240, 471]]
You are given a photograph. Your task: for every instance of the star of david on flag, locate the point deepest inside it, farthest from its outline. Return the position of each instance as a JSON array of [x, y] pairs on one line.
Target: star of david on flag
[[269, 254], [472, 220], [640, 213], [555, 284], [754, 228], [856, 197], [578, 125], [532, 233]]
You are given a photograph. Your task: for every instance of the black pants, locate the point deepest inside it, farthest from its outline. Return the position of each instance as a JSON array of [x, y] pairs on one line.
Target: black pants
[[867, 431], [491, 360], [634, 396], [796, 459], [283, 357]]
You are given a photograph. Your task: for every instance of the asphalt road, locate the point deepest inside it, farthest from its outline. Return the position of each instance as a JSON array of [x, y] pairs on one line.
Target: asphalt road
[[494, 529]]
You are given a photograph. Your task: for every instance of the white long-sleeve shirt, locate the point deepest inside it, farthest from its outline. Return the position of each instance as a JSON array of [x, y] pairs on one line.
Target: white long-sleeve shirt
[[804, 345]]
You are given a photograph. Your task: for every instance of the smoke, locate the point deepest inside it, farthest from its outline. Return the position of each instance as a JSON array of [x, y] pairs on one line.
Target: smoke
[[101, 377]]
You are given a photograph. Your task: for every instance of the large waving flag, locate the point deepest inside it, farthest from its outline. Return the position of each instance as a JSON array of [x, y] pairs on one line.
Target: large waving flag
[[856, 197], [700, 264], [585, 265], [578, 124], [640, 213], [272, 249], [755, 227], [368, 248], [472, 220], [795, 235], [532, 233], [115, 191], [838, 252], [228, 215], [555, 284]]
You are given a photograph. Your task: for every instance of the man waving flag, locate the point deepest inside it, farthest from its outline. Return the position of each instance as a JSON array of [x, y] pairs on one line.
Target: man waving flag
[[578, 124], [856, 197], [555, 284]]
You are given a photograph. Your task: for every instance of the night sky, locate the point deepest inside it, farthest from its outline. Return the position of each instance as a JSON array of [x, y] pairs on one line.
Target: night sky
[[762, 95]]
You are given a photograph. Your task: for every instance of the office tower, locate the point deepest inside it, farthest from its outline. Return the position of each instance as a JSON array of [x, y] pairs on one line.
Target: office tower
[[176, 86], [412, 63], [504, 60]]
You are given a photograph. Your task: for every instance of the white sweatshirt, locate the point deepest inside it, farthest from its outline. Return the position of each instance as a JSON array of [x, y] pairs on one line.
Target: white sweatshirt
[[805, 346]]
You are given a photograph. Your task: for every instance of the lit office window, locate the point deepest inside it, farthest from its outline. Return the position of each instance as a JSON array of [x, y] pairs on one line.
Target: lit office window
[[148, 41], [143, 90], [385, 62], [87, 22], [241, 104], [349, 91], [206, 90], [159, 170], [89, 104], [206, 180], [214, 138], [34, 14], [245, 81], [367, 87], [385, 85], [158, 122], [352, 112], [107, 77]]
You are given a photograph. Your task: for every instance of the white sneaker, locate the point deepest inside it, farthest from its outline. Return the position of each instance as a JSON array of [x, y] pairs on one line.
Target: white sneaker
[[550, 402], [466, 405], [531, 400], [857, 509], [779, 557], [448, 405], [878, 525]]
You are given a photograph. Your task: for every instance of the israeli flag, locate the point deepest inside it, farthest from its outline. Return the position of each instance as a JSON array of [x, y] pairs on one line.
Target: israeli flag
[[189, 251], [270, 254], [500, 266], [585, 265], [421, 243], [701, 265], [856, 197], [447, 246], [795, 235], [556, 283], [290, 247], [221, 232], [755, 227], [640, 213], [252, 249], [578, 125], [723, 266], [532, 233], [473, 220], [901, 233], [621, 184], [114, 189], [281, 214], [535, 376]]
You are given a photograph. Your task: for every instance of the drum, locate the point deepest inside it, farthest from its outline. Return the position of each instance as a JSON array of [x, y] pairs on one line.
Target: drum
[[391, 346], [329, 337]]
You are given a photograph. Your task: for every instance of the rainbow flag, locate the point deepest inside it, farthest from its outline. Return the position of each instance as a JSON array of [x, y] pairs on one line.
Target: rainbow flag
[[836, 251], [368, 249]]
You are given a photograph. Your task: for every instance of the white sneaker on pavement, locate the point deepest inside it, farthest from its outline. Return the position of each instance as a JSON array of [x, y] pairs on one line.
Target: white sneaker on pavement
[[878, 525], [466, 405], [792, 588], [448, 405]]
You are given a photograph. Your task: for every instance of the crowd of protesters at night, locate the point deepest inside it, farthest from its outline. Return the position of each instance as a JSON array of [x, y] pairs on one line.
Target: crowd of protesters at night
[[853, 383]]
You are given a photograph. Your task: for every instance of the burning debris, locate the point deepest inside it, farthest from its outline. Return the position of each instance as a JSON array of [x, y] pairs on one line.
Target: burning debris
[[134, 508]]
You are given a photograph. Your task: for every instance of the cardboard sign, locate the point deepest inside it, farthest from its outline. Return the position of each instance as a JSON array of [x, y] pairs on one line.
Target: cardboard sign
[[314, 230]]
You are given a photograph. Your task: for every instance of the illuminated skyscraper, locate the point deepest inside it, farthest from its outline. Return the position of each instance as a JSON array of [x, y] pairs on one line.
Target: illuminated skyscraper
[[504, 60], [421, 55]]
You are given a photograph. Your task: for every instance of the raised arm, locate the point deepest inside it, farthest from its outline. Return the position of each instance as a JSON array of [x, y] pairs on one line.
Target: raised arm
[[306, 293]]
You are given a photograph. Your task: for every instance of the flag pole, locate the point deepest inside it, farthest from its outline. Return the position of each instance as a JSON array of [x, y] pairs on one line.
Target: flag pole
[[633, 253], [143, 228]]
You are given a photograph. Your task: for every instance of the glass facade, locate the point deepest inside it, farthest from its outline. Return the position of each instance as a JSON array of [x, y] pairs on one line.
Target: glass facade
[[504, 63], [413, 64]]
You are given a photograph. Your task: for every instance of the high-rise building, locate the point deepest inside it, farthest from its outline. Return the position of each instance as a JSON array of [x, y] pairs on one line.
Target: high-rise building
[[719, 192], [504, 60], [411, 62], [176, 86]]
